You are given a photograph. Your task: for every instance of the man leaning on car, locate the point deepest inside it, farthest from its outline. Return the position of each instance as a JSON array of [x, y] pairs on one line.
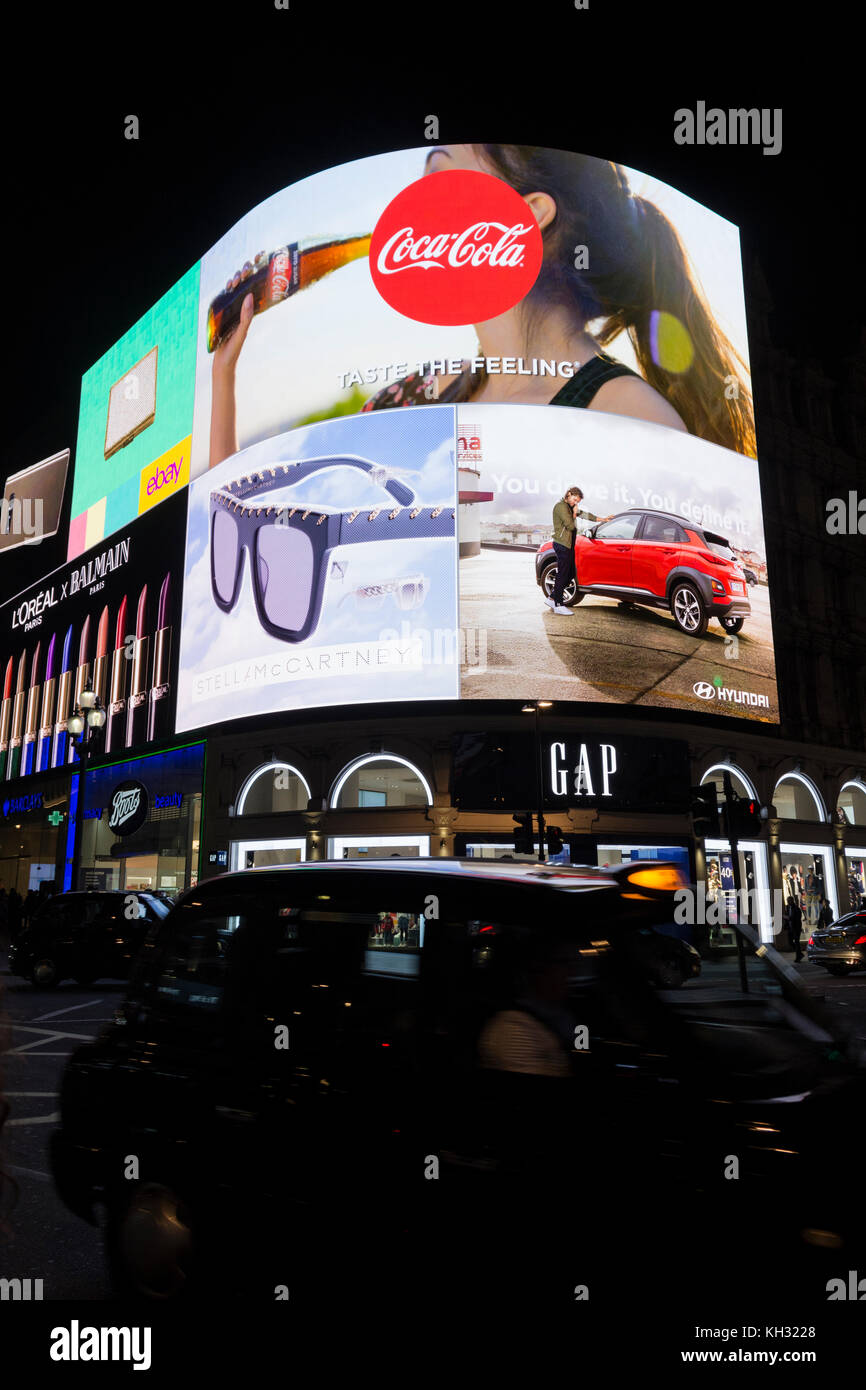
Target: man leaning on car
[[565, 513]]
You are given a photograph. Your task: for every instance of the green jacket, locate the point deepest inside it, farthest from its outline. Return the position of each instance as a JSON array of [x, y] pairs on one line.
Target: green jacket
[[563, 522]]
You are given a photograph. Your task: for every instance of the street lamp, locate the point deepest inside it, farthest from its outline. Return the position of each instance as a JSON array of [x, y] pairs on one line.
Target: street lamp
[[532, 707], [83, 725]]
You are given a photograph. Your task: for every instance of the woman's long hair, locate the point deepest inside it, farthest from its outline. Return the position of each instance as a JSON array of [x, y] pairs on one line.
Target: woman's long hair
[[637, 267]]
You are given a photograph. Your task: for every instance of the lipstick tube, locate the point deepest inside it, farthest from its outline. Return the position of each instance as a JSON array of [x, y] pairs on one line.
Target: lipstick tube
[[115, 720], [6, 714], [64, 702], [31, 721], [136, 709], [160, 690], [46, 725], [13, 761], [100, 661]]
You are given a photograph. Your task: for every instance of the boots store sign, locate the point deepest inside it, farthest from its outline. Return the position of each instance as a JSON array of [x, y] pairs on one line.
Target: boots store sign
[[613, 772], [128, 807]]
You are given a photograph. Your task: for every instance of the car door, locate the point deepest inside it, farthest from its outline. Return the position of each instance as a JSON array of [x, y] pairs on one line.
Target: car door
[[655, 552], [605, 558]]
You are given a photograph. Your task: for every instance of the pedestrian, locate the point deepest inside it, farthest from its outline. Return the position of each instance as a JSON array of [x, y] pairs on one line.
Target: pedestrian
[[795, 922], [825, 916], [565, 514]]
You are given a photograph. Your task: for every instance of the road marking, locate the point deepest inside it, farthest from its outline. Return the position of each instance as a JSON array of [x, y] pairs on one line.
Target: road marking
[[19, 1094], [35, 1120], [49, 1035], [31, 1172], [72, 1007]]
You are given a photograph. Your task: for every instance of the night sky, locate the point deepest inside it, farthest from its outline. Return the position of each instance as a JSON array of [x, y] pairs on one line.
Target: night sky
[[236, 104]]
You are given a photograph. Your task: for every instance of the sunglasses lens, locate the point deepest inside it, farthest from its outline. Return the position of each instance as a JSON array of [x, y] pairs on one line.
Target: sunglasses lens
[[224, 550], [410, 594], [284, 556]]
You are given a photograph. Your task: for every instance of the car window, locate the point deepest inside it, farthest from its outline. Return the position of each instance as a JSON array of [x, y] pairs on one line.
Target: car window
[[661, 528], [622, 528]]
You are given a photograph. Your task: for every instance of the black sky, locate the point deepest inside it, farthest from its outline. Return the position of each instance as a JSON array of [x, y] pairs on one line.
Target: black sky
[[235, 103]]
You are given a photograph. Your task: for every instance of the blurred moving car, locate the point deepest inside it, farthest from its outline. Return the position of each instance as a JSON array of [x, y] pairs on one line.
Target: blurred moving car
[[841, 947], [84, 935], [656, 558], [303, 1048]]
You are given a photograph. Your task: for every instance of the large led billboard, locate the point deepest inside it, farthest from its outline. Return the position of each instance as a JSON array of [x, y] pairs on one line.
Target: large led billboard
[[305, 333], [135, 422], [106, 619]]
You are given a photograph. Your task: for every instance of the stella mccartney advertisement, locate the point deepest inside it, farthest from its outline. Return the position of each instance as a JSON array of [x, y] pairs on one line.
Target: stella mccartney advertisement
[[108, 622], [313, 561], [665, 600]]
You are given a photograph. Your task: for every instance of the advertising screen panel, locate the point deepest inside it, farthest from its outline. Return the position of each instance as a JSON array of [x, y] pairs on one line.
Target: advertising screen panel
[[307, 555], [581, 282], [135, 424], [108, 619], [672, 608]]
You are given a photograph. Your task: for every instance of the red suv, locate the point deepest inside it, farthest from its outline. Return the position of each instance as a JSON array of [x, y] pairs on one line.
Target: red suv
[[657, 558]]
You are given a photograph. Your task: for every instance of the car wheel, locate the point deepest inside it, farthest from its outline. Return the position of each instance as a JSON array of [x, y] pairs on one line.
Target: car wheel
[[837, 969], [688, 610], [669, 975], [150, 1243], [571, 595], [44, 973], [732, 624]]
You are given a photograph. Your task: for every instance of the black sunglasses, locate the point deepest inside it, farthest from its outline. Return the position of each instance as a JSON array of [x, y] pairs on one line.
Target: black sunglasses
[[289, 547]]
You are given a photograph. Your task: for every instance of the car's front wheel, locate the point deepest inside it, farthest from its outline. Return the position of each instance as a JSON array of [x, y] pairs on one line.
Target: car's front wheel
[[571, 595], [837, 969], [732, 624], [150, 1243], [45, 973], [688, 610]]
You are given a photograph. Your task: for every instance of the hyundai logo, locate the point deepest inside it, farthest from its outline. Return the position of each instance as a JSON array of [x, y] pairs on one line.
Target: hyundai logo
[[704, 690]]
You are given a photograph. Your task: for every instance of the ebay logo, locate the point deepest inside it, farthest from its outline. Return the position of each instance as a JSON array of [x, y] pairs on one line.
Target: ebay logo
[[163, 477]]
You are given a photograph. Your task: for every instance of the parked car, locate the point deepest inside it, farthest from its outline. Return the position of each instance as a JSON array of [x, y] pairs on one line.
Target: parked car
[[655, 558], [84, 935], [288, 1080], [751, 577], [841, 947], [667, 960]]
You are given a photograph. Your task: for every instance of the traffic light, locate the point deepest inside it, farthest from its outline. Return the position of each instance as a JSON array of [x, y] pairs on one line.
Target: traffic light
[[554, 841], [524, 840], [705, 811], [744, 818]]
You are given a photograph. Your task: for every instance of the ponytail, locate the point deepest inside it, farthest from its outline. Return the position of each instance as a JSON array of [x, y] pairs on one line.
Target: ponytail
[[638, 269]]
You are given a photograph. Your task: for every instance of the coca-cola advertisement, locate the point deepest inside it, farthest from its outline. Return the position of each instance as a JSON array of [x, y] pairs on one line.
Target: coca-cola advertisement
[[498, 274]]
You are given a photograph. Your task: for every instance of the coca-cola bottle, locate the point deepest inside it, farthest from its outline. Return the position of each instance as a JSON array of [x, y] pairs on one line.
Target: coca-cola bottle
[[272, 278]]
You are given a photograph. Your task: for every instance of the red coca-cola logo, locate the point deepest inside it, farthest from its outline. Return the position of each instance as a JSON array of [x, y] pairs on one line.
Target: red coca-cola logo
[[455, 247]]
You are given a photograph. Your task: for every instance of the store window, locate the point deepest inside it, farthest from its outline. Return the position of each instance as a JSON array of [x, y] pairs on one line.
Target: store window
[[267, 854], [797, 798], [852, 802], [855, 860], [381, 780], [378, 846], [504, 849], [808, 877], [275, 787], [608, 856]]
